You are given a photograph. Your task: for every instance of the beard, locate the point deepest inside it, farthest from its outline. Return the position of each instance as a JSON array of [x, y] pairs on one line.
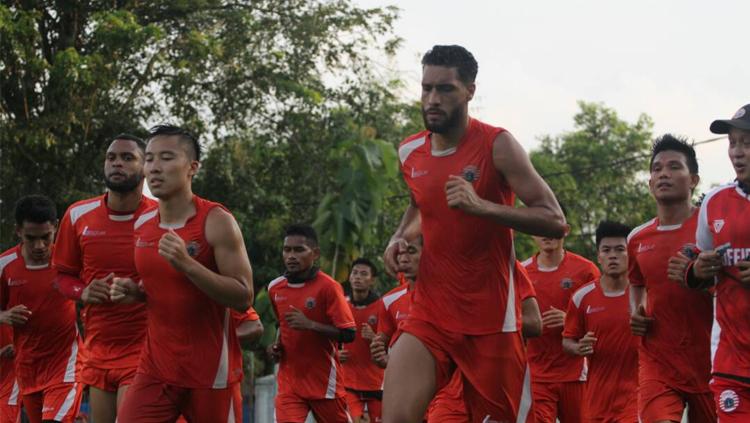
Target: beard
[[450, 122], [128, 184]]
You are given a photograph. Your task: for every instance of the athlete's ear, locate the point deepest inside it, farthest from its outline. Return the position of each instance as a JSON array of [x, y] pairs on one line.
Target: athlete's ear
[[567, 230], [471, 88], [195, 165], [694, 180], [316, 253]]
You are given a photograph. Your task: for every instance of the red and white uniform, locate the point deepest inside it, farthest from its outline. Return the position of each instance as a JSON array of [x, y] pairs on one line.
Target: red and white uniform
[[395, 306], [310, 376], [9, 392], [557, 378], [465, 302], [191, 346], [47, 344], [723, 221], [613, 368], [94, 241], [674, 356], [449, 406], [363, 379]]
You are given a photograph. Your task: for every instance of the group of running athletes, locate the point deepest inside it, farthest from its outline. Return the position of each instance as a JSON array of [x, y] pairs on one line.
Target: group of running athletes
[[470, 333]]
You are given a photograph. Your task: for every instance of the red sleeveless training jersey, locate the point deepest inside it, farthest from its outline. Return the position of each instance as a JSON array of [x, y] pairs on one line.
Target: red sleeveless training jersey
[[191, 340], [465, 272]]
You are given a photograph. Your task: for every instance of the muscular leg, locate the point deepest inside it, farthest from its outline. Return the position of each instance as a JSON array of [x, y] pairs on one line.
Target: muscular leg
[[103, 405], [409, 383], [121, 394]]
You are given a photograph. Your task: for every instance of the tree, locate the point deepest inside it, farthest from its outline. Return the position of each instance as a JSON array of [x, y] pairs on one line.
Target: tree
[[598, 172], [74, 74]]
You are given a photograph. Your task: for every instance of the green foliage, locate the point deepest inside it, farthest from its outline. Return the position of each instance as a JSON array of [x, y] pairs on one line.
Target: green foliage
[[598, 172]]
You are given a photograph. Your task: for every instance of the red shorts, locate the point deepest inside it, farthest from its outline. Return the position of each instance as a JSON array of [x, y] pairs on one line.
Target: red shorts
[[558, 400], [732, 400], [109, 380], [9, 407], [496, 378], [59, 402], [359, 405], [448, 404], [292, 409], [658, 401], [149, 400]]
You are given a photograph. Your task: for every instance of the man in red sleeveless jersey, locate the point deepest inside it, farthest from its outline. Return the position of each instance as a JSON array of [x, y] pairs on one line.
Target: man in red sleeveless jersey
[[94, 245], [463, 175], [723, 238], [557, 379], [194, 271], [45, 336], [597, 327], [313, 318], [672, 321], [363, 379]]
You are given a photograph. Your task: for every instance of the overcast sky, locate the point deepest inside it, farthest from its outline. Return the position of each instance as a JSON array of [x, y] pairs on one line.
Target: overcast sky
[[684, 63]]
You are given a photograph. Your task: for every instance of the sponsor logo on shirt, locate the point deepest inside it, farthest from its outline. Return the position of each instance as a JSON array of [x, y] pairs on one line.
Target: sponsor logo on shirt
[[278, 298], [591, 310], [566, 283], [310, 303], [92, 232], [733, 255], [729, 401], [400, 315], [16, 282], [417, 173], [139, 243], [643, 248], [718, 224], [471, 173], [193, 248]]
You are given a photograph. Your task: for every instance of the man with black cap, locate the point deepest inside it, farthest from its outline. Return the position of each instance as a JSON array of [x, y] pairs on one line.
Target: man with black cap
[[723, 238]]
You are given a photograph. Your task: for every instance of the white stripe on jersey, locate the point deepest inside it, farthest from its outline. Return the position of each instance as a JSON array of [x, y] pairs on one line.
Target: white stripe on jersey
[[406, 149], [331, 389], [70, 367], [222, 373], [715, 336], [525, 405], [78, 211], [13, 398], [510, 324]]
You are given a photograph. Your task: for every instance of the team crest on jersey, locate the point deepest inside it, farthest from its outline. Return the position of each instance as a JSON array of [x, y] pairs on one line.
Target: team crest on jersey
[[729, 401], [718, 224], [193, 248], [566, 283], [471, 173], [310, 303], [372, 320]]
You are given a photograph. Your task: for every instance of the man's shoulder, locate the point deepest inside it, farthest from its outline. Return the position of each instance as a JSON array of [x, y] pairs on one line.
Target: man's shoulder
[[82, 208], [583, 293], [9, 256]]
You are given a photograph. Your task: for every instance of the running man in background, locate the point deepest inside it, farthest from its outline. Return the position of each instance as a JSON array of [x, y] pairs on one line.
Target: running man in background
[[597, 327], [557, 379], [363, 379], [723, 239], [95, 245], [314, 319], [45, 336], [463, 174], [672, 321], [194, 269]]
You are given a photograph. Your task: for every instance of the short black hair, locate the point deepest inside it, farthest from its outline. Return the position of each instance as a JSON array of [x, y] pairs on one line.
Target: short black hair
[[609, 229], [185, 136], [306, 231], [669, 142], [453, 57], [35, 209], [366, 262], [130, 137]]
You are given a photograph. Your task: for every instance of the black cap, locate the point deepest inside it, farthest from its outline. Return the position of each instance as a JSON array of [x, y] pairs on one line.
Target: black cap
[[740, 120]]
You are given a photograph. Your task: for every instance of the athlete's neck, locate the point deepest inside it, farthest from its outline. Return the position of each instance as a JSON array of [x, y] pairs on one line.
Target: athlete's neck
[[177, 209], [614, 284], [28, 258], [125, 201], [550, 258], [450, 138], [674, 213], [360, 295]]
